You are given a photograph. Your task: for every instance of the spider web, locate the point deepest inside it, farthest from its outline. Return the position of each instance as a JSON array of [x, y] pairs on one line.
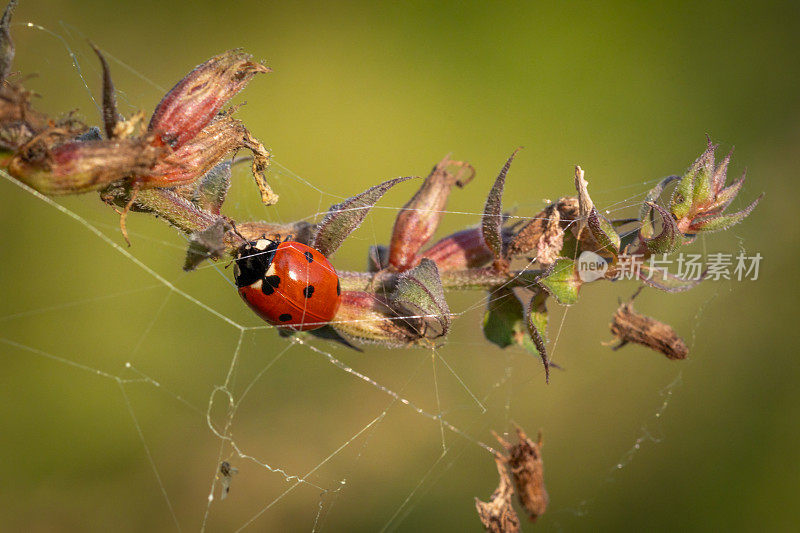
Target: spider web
[[314, 431]]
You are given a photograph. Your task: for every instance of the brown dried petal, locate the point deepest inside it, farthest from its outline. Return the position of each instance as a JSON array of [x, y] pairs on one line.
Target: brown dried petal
[[498, 515], [419, 218], [543, 235], [630, 326], [525, 461]]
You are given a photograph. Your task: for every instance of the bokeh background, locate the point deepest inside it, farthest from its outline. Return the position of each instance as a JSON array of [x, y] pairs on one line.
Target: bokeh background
[[362, 92]]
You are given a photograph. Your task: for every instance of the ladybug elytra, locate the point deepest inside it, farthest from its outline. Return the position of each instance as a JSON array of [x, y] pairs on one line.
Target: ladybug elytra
[[287, 283]]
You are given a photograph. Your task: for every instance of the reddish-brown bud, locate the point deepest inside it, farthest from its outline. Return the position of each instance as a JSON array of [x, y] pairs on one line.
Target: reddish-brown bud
[[461, 250], [419, 218], [194, 102]]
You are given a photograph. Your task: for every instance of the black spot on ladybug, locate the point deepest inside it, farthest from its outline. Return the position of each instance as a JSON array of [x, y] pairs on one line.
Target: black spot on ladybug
[[338, 288], [269, 284], [285, 317], [308, 291], [309, 257]]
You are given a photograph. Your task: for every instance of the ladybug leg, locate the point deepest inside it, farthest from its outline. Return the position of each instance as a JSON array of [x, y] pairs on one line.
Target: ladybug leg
[[124, 215]]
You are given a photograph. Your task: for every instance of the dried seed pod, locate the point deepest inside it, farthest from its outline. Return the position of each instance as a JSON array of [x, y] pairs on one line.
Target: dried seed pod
[[195, 100], [498, 515], [527, 469], [630, 326], [419, 218], [542, 237]]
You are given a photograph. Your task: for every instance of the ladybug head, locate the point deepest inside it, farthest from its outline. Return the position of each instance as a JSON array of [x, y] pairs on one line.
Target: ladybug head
[[253, 259]]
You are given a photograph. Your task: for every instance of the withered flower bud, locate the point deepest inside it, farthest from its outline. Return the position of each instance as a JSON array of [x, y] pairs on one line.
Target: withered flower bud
[[194, 102], [76, 167], [419, 218], [525, 462]]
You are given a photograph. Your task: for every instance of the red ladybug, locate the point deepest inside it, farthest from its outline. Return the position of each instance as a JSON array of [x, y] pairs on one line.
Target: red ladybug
[[287, 283]]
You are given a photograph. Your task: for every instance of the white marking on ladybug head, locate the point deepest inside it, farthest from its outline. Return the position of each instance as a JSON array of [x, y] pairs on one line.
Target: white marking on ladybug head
[[270, 270], [261, 244], [256, 285]]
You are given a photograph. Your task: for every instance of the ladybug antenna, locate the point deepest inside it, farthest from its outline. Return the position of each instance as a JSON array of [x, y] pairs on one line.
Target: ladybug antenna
[[236, 231]]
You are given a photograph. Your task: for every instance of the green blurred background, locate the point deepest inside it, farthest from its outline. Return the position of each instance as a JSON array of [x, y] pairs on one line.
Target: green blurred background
[[362, 92]]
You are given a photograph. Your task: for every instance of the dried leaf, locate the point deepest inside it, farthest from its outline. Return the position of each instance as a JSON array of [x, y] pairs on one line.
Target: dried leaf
[[630, 326], [498, 515], [342, 219]]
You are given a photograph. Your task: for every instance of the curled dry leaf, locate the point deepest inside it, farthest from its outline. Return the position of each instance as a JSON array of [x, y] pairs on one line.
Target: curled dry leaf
[[525, 462], [630, 326], [498, 514]]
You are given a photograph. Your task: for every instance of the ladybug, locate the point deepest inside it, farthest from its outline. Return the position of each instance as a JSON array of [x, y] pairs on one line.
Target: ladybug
[[287, 283]]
